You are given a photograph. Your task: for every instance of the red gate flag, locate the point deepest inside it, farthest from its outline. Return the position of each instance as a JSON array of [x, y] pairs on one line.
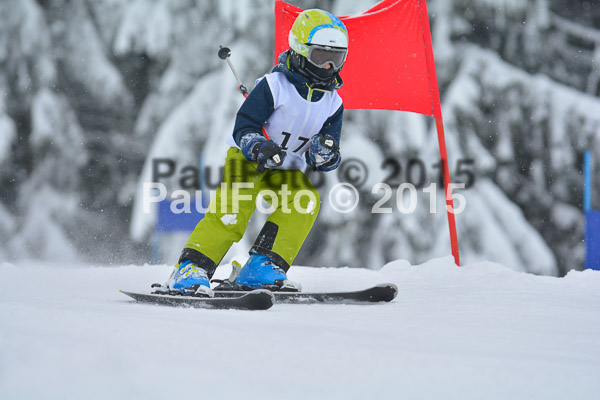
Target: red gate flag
[[390, 66], [390, 59]]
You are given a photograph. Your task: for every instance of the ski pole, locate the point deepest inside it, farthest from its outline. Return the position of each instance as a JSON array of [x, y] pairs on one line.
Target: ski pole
[[224, 54]]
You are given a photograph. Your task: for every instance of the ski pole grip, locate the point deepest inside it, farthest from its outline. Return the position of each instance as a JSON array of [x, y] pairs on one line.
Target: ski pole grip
[[224, 52], [243, 90]]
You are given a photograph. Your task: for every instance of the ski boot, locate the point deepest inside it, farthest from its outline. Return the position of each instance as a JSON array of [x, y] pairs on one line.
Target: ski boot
[[190, 280], [260, 272]]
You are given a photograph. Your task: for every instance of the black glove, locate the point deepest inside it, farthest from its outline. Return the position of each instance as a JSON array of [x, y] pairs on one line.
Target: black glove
[[267, 154]]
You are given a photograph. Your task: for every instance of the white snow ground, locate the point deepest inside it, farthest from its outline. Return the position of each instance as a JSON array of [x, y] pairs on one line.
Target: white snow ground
[[481, 331]]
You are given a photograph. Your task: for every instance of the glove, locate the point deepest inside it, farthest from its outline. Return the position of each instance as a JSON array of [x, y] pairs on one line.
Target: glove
[[266, 153], [323, 153]]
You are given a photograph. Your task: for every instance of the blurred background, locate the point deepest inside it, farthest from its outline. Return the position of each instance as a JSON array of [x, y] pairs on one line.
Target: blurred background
[[93, 91]]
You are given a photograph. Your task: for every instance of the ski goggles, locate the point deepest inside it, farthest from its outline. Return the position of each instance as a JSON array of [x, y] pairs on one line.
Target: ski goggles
[[323, 55]]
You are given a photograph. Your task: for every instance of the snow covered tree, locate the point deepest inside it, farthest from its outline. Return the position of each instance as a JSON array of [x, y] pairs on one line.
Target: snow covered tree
[[94, 91]]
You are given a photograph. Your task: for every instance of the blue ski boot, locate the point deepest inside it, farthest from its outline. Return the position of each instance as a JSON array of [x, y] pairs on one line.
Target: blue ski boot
[[260, 272], [189, 279]]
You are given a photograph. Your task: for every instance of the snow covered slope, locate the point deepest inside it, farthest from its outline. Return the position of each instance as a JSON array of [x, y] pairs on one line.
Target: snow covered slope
[[481, 331]]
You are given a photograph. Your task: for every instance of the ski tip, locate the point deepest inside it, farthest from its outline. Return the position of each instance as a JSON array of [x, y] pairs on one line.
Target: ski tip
[[256, 300], [390, 291], [260, 299], [127, 293]]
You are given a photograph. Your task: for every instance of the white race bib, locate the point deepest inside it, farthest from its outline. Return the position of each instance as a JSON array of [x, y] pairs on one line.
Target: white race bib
[[295, 119]]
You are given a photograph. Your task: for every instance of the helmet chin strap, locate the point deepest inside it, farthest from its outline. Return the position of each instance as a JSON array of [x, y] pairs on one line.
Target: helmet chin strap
[[316, 76]]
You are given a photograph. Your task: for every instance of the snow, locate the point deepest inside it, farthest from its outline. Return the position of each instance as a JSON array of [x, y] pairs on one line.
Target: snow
[[352, 7], [7, 225], [55, 124], [39, 233], [100, 77], [526, 246], [479, 331], [310, 207], [155, 28], [8, 129], [7, 135], [25, 36], [507, 6], [229, 219]]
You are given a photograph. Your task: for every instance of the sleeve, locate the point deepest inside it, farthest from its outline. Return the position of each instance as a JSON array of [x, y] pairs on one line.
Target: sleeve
[[333, 125], [254, 112]]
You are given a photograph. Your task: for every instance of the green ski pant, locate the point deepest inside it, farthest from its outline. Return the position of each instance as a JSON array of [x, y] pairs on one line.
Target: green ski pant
[[294, 205]]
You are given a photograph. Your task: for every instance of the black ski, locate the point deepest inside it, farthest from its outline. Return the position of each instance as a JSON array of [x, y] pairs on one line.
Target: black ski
[[384, 292], [255, 300]]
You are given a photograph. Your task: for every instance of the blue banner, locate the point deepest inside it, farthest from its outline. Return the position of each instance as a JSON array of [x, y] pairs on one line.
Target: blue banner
[[173, 219], [592, 239]]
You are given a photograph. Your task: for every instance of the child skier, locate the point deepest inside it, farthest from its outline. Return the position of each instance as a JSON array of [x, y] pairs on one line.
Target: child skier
[[301, 113]]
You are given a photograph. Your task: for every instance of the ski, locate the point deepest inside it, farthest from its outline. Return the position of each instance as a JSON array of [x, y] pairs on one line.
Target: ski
[[384, 292], [255, 300]]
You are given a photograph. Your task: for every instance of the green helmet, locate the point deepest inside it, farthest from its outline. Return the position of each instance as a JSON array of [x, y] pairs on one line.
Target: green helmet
[[317, 27], [320, 38]]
